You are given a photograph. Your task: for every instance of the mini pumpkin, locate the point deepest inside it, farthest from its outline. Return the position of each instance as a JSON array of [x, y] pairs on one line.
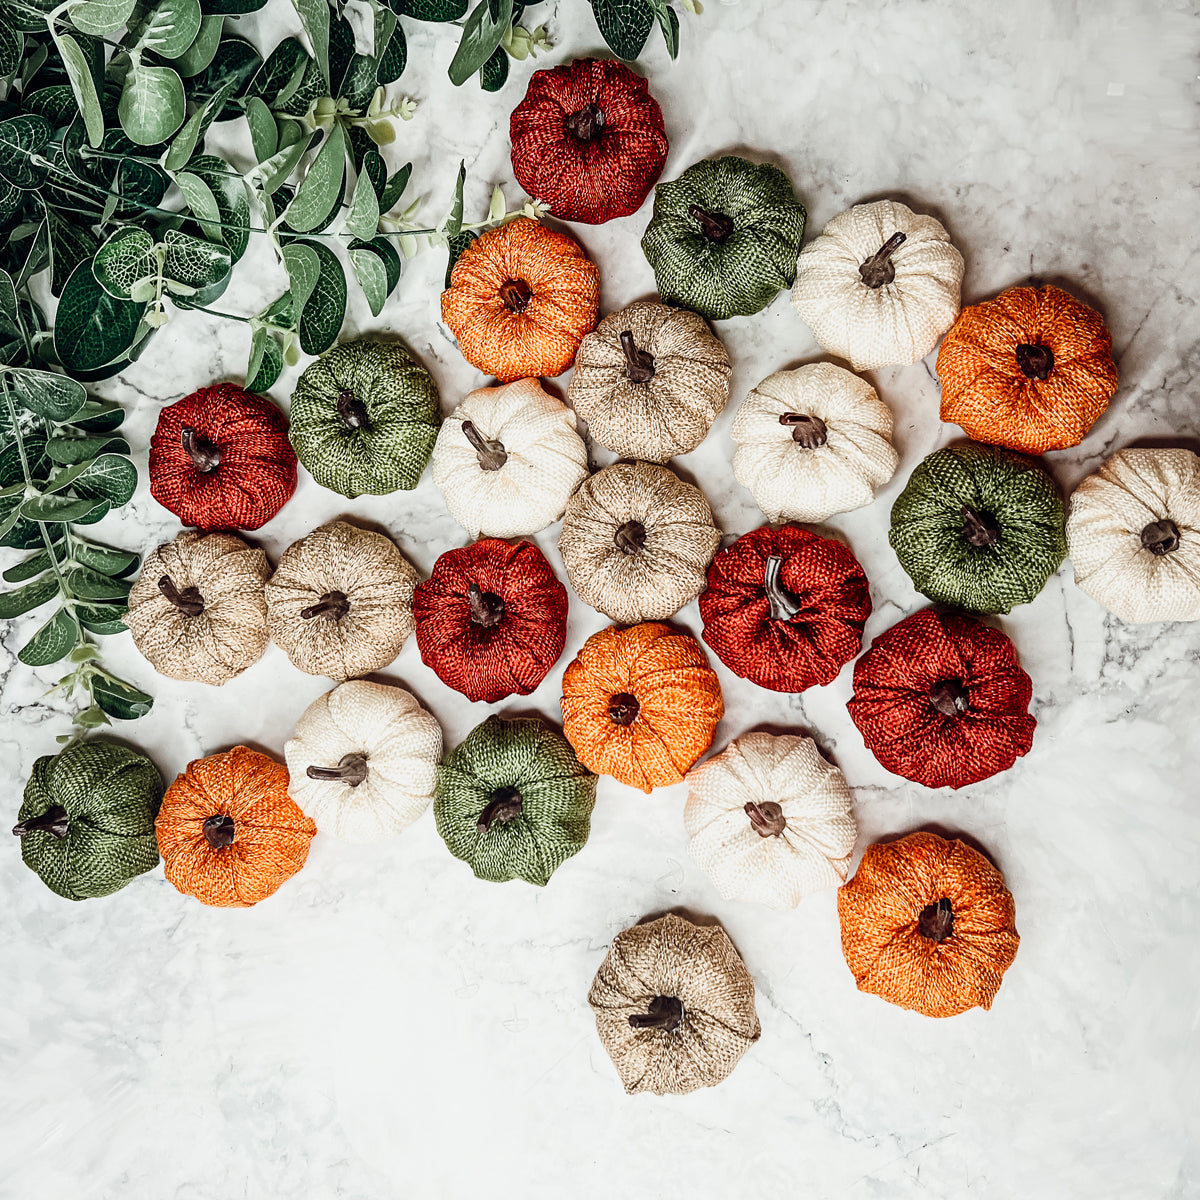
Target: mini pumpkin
[[813, 442], [363, 760], [513, 801], [507, 460], [636, 541], [1133, 534], [650, 380], [724, 237], [941, 699], [491, 619], [229, 833], [785, 608], [588, 140], [364, 418], [521, 298], [879, 286], [928, 924], [198, 611], [1031, 370], [674, 1006], [979, 528], [340, 601], [641, 704], [87, 818]]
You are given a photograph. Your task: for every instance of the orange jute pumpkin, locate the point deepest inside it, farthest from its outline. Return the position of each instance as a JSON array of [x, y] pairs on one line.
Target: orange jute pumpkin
[[521, 299], [228, 831], [928, 924], [641, 704]]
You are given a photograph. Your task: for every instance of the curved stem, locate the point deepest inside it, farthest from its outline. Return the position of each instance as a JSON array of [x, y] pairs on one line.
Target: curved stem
[[879, 268], [949, 697], [623, 708], [219, 831], [352, 410], [767, 818], [1160, 537], [639, 364], [54, 821], [784, 604], [487, 609], [189, 601], [585, 124], [352, 769], [807, 431], [1036, 362], [333, 606], [664, 1012], [936, 921], [715, 226], [516, 294], [979, 528], [630, 538], [206, 455], [492, 455], [504, 805]]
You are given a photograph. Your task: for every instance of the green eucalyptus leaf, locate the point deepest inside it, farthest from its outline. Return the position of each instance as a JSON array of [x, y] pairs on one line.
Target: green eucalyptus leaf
[[53, 642], [304, 269], [391, 48], [203, 204], [273, 173], [102, 618], [321, 189], [203, 50], [232, 198], [263, 371], [277, 80], [98, 416], [359, 81], [70, 244], [105, 559], [435, 10], [110, 477], [92, 585], [231, 8], [171, 29], [668, 22], [56, 103], [94, 331], [483, 31], [363, 220], [21, 138], [493, 75], [322, 316], [25, 599], [382, 247], [194, 128], [314, 16], [102, 509], [12, 42], [67, 451], [457, 245], [125, 258], [235, 59], [119, 699], [27, 568], [312, 86], [45, 393], [152, 104], [624, 25], [194, 262], [99, 17], [372, 277], [453, 223], [264, 133], [60, 509]]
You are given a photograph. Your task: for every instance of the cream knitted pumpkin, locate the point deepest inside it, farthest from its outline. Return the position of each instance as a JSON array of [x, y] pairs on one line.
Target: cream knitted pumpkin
[[879, 286], [363, 760], [769, 820], [637, 541], [650, 381], [813, 442], [1133, 535], [507, 459]]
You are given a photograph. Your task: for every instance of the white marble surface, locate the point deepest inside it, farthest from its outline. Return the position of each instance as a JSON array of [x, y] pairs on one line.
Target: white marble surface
[[387, 1026]]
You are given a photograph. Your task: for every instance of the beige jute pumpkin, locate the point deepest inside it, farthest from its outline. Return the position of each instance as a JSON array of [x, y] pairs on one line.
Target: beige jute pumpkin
[[637, 541], [674, 1006], [650, 380], [340, 601], [197, 611]]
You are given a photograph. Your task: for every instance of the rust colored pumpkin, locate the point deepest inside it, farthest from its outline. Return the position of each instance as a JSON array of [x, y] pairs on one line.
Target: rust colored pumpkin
[[1031, 370], [928, 924], [521, 299], [641, 704]]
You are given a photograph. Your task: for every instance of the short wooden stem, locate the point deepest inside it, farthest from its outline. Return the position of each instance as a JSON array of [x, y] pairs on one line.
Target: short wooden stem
[[333, 606], [664, 1012], [492, 455], [949, 697], [879, 268], [352, 410], [979, 528], [784, 604], [1161, 537], [715, 226], [623, 708], [516, 294], [352, 769], [630, 538], [487, 609], [189, 601], [585, 124], [206, 455], [1036, 362], [807, 430], [936, 921], [504, 805], [639, 364], [766, 818], [219, 831], [54, 821]]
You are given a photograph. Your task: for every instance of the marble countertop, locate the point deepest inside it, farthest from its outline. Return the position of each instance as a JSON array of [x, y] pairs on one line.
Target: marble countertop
[[388, 1026]]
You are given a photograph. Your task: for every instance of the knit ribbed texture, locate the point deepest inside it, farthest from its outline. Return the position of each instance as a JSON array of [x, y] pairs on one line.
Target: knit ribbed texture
[[663, 567], [813, 478], [672, 411], [550, 794], [812, 849], [1109, 512], [896, 322], [228, 635], [110, 794], [695, 965], [938, 513], [881, 914]]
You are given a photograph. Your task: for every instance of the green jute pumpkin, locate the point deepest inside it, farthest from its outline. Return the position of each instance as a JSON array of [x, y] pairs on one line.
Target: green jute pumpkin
[[364, 418], [724, 237], [87, 821], [979, 527], [513, 801]]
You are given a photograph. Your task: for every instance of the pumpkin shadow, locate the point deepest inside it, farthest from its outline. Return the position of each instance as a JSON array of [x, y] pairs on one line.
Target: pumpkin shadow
[[1175, 442], [800, 729], [919, 204], [947, 832], [382, 678], [276, 756], [757, 155], [704, 919], [1066, 283]]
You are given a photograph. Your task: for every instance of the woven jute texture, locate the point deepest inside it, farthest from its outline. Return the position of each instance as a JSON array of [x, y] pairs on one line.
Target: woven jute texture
[[228, 635], [694, 964], [881, 915]]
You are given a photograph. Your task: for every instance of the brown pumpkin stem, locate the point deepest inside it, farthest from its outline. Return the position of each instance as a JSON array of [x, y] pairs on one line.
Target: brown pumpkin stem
[[352, 410], [639, 364], [585, 124], [715, 226], [623, 708], [189, 601], [979, 528], [516, 294], [219, 831], [487, 609], [492, 455], [206, 455], [53, 821], [949, 697], [665, 1013], [1036, 362], [936, 921], [504, 806], [333, 606], [352, 769], [784, 604], [1161, 537], [630, 538], [807, 430], [766, 818], [879, 268]]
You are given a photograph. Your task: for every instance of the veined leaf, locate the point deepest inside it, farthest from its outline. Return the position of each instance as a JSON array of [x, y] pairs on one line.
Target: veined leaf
[[119, 699], [125, 258], [152, 104], [193, 262], [363, 220], [395, 188], [27, 568], [624, 24], [264, 133], [102, 618], [53, 642], [202, 202], [314, 16], [453, 224], [482, 34], [321, 188], [105, 559], [20, 139], [203, 50], [11, 44], [265, 363], [195, 126], [24, 599], [435, 10], [110, 477], [47, 394], [304, 269], [321, 318], [59, 509], [99, 17], [391, 48], [69, 451], [372, 277], [91, 585], [92, 329], [171, 29]]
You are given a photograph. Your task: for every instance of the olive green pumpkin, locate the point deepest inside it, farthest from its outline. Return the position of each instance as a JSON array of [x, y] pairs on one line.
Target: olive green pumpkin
[[724, 237], [364, 418]]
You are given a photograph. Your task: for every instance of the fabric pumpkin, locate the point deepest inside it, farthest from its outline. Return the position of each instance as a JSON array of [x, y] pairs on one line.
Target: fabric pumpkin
[[928, 924], [363, 760], [674, 1006], [1031, 370], [769, 820], [813, 442], [340, 601], [87, 820], [198, 611], [1133, 534], [588, 140], [229, 833], [785, 608], [724, 237], [641, 704], [879, 286], [364, 418], [941, 699], [507, 460], [636, 541], [650, 380], [979, 528], [491, 619], [521, 298], [513, 801]]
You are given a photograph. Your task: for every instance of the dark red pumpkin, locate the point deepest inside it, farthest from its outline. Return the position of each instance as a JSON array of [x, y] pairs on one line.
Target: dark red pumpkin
[[785, 608], [588, 139], [220, 459], [941, 699], [491, 619]]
